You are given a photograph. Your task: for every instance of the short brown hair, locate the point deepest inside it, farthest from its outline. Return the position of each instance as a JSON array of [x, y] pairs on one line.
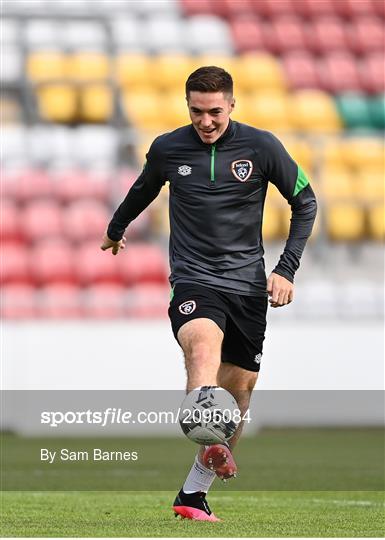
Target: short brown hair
[[209, 79]]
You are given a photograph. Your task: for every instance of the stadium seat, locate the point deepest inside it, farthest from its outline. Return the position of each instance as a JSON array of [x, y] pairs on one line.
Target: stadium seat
[[60, 301], [345, 222], [94, 146], [204, 33], [174, 111], [314, 111], [354, 110], [57, 102], [133, 70], [148, 301], [43, 66], [126, 34], [92, 265], [371, 70], [164, 34], [248, 33], [366, 34], [42, 219], [143, 110], [337, 184], [85, 219], [377, 111], [376, 219], [192, 7], [14, 263], [90, 35], [338, 72], [105, 301], [96, 103], [170, 71], [42, 34], [369, 185], [285, 33], [272, 225], [9, 31], [18, 302], [143, 263], [300, 70], [10, 218], [229, 8], [84, 66], [274, 8], [314, 9], [355, 8], [11, 65], [51, 261], [258, 71], [71, 185], [33, 184], [326, 34], [302, 152], [269, 110], [363, 152], [13, 144], [224, 60]]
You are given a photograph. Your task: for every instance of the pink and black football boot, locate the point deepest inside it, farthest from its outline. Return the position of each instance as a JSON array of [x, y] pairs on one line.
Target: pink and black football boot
[[218, 458], [193, 506]]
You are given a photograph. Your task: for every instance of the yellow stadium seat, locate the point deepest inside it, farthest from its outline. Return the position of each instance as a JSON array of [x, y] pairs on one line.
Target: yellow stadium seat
[[88, 66], [170, 71], [369, 185], [303, 153], [376, 219], [57, 102], [345, 222], [133, 70], [211, 59], [337, 184], [314, 111], [253, 72], [174, 110], [46, 66], [96, 103], [144, 110], [363, 152], [271, 227], [269, 111]]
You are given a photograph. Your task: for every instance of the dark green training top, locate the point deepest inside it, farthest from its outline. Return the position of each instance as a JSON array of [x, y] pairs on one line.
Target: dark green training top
[[217, 195]]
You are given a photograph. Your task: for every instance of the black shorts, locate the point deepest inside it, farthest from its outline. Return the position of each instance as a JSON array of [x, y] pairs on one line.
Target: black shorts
[[241, 318]]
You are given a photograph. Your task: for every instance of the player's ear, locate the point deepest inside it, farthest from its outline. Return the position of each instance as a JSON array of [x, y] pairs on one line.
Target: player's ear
[[232, 104]]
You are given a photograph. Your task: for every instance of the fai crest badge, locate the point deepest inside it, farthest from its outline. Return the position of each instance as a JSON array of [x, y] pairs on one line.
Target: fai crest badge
[[187, 307], [242, 169]]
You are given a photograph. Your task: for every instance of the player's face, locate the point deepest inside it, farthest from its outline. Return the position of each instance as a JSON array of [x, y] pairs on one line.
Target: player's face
[[210, 113]]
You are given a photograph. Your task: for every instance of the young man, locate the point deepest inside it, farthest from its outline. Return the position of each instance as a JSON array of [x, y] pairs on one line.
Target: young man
[[218, 172]]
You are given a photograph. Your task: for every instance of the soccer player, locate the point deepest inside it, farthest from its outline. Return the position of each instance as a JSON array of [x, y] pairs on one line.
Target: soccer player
[[218, 171]]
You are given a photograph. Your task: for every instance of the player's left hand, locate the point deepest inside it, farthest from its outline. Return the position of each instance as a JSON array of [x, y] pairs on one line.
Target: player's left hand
[[280, 290]]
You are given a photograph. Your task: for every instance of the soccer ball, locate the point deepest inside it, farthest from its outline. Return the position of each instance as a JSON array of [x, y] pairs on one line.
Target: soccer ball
[[209, 415]]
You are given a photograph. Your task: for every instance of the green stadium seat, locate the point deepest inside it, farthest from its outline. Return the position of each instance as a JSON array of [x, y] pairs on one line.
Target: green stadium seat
[[354, 110], [377, 111]]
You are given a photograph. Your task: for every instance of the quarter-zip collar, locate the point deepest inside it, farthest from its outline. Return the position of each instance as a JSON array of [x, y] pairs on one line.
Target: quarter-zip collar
[[223, 139]]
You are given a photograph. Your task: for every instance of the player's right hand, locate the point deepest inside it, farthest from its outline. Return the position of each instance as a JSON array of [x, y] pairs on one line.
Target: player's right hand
[[116, 246]]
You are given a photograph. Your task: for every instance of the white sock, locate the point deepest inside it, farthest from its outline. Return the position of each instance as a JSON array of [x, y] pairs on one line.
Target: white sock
[[199, 478]]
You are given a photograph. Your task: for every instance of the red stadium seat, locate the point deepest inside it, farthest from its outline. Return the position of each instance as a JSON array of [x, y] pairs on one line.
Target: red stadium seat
[[72, 185], [300, 70], [14, 264], [192, 7], [284, 34], [85, 219], [379, 8], [371, 69], [229, 8], [93, 265], [314, 8], [143, 263], [366, 34], [32, 184], [148, 301], [247, 32], [105, 301], [42, 219], [18, 302], [274, 8], [9, 182], [10, 221], [326, 34], [60, 301], [338, 72], [51, 261], [355, 8]]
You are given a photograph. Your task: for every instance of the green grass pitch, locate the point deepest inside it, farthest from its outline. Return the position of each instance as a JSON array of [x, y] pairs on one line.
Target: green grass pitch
[[292, 483]]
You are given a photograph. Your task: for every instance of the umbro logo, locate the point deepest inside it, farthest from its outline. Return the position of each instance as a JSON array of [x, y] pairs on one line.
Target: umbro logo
[[187, 307], [258, 358], [184, 170]]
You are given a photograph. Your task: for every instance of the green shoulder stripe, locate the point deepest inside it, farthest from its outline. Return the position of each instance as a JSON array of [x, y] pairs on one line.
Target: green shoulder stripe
[[301, 182]]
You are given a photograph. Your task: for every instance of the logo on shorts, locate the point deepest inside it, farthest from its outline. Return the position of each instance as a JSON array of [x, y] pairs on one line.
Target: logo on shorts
[[184, 170], [242, 169], [187, 307], [258, 358]]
